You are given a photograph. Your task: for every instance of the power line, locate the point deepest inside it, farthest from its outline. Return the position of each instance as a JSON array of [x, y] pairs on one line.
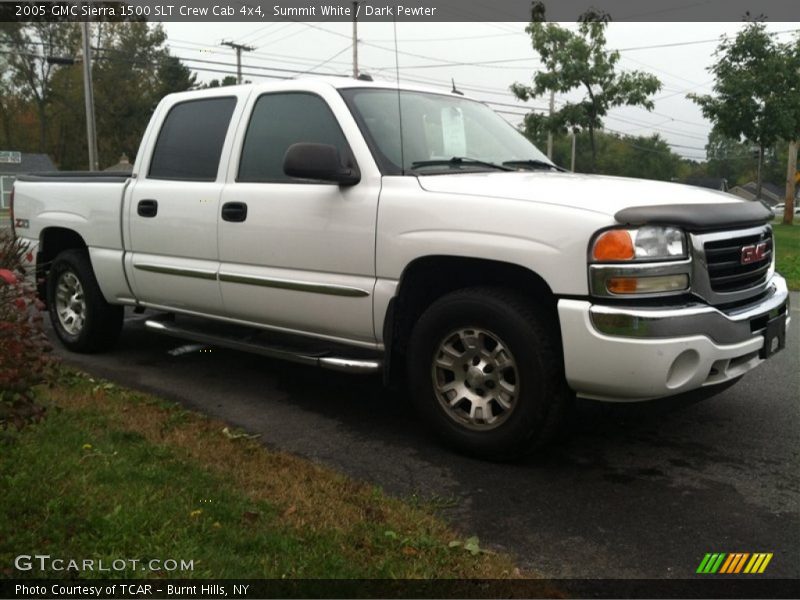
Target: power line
[[654, 126], [325, 62], [448, 39], [693, 42]]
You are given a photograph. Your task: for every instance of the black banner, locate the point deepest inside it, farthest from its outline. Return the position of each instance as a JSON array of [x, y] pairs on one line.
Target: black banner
[[394, 10], [700, 587]]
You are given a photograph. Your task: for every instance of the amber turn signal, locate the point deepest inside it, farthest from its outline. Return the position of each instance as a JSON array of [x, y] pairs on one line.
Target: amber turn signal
[[622, 285], [615, 244]]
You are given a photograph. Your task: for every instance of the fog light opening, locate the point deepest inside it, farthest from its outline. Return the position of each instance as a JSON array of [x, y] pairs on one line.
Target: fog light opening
[[682, 369]]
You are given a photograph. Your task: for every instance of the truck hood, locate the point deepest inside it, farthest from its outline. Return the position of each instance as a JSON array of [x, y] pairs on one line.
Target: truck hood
[[596, 193]]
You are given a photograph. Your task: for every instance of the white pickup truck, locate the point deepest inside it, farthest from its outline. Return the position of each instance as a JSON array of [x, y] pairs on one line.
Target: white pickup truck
[[361, 227]]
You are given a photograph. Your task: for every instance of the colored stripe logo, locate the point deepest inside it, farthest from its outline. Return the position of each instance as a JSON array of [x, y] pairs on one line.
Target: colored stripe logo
[[734, 563]]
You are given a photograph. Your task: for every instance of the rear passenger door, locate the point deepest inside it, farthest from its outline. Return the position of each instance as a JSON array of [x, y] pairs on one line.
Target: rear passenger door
[[173, 207]]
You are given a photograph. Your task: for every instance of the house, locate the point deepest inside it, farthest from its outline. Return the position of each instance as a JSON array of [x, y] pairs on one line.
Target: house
[[123, 166], [16, 163], [771, 194], [711, 183]]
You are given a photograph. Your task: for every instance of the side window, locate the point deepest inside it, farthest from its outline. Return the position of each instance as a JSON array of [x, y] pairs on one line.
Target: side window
[[277, 122], [6, 183], [190, 142]]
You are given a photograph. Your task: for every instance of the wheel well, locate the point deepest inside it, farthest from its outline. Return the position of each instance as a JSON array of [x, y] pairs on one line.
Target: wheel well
[[427, 279], [52, 242]]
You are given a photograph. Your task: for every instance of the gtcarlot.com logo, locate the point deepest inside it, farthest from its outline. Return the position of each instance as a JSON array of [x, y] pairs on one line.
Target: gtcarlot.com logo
[[735, 563], [46, 562]]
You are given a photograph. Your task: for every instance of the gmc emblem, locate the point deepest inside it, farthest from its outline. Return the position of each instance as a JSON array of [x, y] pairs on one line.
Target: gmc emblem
[[754, 253]]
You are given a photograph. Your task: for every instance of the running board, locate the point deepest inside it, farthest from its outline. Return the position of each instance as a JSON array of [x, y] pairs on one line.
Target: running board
[[333, 363]]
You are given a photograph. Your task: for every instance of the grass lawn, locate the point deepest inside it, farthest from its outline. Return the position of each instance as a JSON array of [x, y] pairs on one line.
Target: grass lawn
[[787, 255], [116, 474]]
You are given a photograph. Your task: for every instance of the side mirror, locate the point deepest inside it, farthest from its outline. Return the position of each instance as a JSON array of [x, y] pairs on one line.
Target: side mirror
[[318, 161]]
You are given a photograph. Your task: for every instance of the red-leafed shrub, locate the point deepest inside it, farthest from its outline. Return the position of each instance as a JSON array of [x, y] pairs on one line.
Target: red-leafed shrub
[[25, 353]]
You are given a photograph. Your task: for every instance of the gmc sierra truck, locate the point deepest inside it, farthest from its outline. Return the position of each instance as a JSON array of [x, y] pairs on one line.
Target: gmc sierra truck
[[361, 227]]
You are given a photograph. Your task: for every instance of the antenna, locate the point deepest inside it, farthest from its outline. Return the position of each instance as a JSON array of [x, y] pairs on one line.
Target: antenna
[[454, 90], [355, 40], [399, 103], [239, 48]]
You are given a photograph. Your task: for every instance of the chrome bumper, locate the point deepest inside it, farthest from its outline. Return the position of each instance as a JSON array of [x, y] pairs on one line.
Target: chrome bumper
[[723, 327]]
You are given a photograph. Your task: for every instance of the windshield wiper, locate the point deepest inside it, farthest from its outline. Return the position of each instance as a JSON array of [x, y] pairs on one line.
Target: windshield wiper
[[458, 161], [532, 164]]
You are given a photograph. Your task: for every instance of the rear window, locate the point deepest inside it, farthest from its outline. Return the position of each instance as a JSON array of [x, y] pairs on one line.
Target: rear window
[[190, 142]]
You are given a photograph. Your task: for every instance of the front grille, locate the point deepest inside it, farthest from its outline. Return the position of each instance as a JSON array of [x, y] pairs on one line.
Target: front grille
[[726, 273]]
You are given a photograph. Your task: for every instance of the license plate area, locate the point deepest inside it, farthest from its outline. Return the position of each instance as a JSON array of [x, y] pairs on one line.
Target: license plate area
[[774, 336]]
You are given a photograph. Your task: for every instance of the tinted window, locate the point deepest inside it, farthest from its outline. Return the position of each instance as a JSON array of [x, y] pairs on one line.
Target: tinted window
[[280, 120], [190, 142]]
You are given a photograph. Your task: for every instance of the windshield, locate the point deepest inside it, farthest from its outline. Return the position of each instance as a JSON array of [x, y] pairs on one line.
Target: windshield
[[440, 133]]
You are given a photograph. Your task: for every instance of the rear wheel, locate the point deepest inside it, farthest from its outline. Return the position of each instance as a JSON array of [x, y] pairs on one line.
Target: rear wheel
[[81, 317], [486, 372]]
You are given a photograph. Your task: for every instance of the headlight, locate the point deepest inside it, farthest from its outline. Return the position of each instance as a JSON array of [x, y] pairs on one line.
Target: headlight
[[649, 261], [650, 243]]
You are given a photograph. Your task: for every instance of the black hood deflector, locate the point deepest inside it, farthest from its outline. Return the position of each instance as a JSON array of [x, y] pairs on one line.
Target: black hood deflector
[[698, 217]]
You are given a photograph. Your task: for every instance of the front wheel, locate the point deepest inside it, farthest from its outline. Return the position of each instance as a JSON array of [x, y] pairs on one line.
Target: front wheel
[[486, 372], [81, 317]]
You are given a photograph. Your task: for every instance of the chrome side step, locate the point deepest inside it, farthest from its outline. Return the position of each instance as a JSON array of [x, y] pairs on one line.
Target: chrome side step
[[333, 363]]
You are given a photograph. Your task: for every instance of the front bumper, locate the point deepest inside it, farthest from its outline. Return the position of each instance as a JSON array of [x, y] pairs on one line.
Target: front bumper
[[626, 354]]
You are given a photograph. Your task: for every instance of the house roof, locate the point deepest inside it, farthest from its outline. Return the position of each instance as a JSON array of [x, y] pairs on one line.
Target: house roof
[[28, 163], [767, 189], [123, 166], [712, 183]]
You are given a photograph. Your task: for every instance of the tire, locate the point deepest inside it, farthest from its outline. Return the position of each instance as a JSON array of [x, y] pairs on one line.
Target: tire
[[81, 317], [512, 396]]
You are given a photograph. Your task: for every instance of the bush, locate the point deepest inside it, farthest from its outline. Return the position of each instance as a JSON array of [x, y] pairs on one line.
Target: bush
[[25, 353]]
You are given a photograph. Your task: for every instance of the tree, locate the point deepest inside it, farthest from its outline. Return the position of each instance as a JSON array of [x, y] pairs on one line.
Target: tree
[[580, 61], [729, 158], [132, 73], [174, 76], [755, 91], [215, 83], [6, 104], [30, 71], [42, 104], [647, 157]]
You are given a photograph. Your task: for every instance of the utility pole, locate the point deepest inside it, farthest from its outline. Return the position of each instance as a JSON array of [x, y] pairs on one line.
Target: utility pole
[[791, 181], [355, 40], [550, 133], [572, 164], [239, 49], [88, 95], [758, 172]]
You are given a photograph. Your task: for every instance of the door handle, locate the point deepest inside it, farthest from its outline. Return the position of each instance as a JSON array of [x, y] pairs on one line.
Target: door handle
[[147, 208], [235, 212]]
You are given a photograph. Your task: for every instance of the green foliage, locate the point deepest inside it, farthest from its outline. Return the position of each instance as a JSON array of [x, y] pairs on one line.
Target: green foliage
[[729, 158], [130, 78], [787, 253], [215, 83], [646, 157], [756, 88], [25, 360], [580, 61], [29, 74], [41, 104], [128, 481]]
